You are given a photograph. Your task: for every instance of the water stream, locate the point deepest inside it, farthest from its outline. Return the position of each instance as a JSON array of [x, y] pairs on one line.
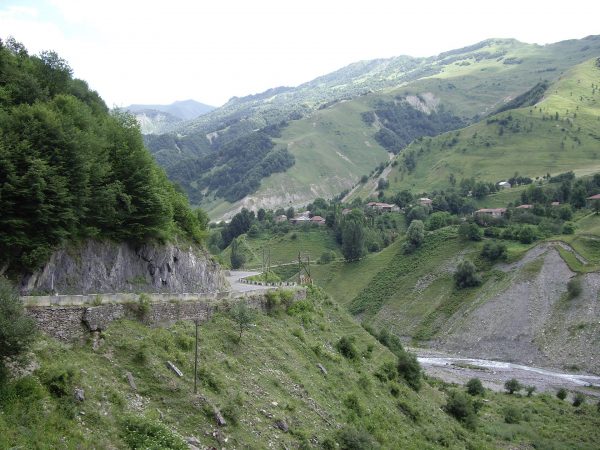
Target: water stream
[[549, 375]]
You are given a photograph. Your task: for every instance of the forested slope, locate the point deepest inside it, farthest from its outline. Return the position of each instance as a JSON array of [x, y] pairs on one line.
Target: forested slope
[[70, 170]]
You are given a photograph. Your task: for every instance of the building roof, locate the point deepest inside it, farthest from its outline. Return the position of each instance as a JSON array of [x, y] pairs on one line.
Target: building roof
[[504, 183], [380, 205], [491, 210], [594, 197], [524, 206], [555, 203]]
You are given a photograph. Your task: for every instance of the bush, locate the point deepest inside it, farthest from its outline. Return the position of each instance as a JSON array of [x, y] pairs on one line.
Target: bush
[[512, 415], [561, 393], [346, 347], [513, 386], [579, 399], [474, 387], [352, 403], [494, 251], [416, 233], [327, 257], [466, 275], [568, 228], [469, 232], [530, 390], [139, 432], [409, 369], [527, 235], [574, 287], [58, 380], [351, 438], [17, 331], [462, 408], [387, 372]]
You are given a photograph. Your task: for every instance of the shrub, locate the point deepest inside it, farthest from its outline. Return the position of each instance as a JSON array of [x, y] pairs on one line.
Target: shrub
[[474, 387], [561, 393], [512, 415], [568, 228], [530, 390], [494, 251], [466, 275], [144, 306], [462, 408], [351, 438], [416, 233], [346, 347], [387, 372], [409, 369], [242, 315], [513, 386], [527, 235], [58, 380], [574, 287], [352, 403], [579, 399], [139, 432], [469, 232], [17, 331], [327, 257]]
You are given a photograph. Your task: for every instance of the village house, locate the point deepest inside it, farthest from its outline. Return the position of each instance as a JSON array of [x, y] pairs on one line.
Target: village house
[[555, 204], [424, 201], [281, 218], [492, 212], [383, 207], [592, 200], [346, 211], [524, 206], [504, 185], [318, 220]]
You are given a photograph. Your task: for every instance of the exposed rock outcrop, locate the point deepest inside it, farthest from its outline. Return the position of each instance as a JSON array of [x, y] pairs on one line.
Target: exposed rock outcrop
[[105, 267]]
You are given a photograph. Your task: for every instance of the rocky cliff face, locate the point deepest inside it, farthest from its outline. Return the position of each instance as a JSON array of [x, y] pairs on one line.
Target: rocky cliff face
[[107, 267]]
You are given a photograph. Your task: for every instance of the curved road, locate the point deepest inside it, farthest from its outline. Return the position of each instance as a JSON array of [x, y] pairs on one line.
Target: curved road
[[236, 286]]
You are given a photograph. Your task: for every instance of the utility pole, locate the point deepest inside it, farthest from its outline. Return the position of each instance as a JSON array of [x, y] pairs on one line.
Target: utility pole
[[196, 360]]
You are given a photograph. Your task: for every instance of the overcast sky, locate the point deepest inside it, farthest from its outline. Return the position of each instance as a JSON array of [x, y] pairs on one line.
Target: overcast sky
[[150, 51]]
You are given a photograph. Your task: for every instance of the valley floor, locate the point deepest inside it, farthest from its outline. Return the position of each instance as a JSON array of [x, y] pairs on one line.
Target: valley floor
[[493, 374]]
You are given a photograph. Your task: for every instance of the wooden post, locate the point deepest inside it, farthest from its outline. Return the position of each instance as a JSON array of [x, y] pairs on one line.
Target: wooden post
[[196, 361]]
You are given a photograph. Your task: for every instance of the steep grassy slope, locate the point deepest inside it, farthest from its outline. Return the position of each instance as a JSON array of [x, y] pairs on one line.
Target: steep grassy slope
[[521, 312], [268, 388], [558, 134], [332, 150]]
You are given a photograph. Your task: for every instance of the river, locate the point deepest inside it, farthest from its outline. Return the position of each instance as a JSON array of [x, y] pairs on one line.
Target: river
[[493, 374]]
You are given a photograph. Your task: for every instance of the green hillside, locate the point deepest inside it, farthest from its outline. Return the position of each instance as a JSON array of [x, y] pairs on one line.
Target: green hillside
[[267, 388], [558, 134], [333, 147]]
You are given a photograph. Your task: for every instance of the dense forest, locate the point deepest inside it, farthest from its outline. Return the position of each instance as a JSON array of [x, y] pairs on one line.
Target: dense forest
[[70, 170], [234, 168], [401, 123]]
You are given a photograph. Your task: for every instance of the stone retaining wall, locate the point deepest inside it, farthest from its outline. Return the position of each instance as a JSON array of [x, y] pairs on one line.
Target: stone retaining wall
[[77, 320]]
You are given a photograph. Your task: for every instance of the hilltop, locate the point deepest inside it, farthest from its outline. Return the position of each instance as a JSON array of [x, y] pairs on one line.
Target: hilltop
[[348, 123], [556, 132], [158, 119]]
